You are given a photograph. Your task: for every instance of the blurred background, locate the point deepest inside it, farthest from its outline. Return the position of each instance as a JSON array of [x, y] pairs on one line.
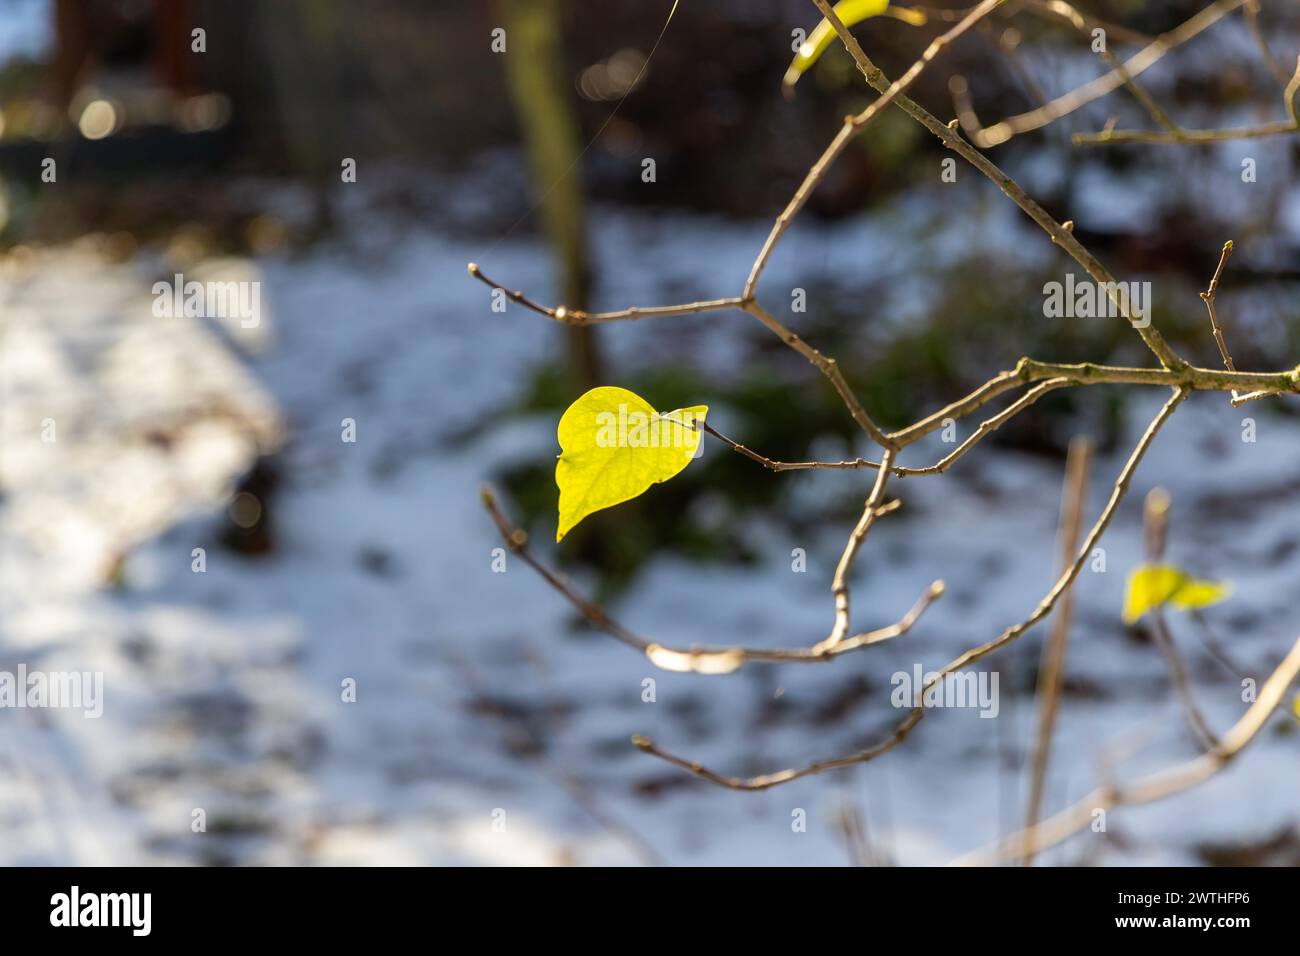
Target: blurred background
[[349, 159]]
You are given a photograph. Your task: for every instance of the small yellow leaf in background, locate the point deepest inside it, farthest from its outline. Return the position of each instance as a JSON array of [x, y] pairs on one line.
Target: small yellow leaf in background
[[1153, 585], [614, 445], [849, 12]]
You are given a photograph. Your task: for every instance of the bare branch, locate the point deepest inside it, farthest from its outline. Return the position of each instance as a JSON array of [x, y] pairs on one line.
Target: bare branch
[[1080, 24], [1194, 378], [701, 660], [1208, 298], [827, 366], [987, 426], [840, 583], [1052, 668], [577, 317], [952, 139], [1063, 583], [771, 465], [1108, 136], [1002, 382], [1155, 519], [1067, 103], [1040, 377], [1252, 23], [1141, 95], [1053, 375], [1164, 642], [1067, 578], [853, 125], [1156, 786], [1173, 133]]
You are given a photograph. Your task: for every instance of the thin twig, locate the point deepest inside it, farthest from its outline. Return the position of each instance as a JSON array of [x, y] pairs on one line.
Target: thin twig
[[1002, 382], [1164, 642], [852, 126], [1140, 93], [952, 139], [1252, 23], [1155, 520], [772, 465], [1184, 136], [1139, 63], [1051, 671], [1207, 297], [1080, 24], [840, 583], [1175, 134], [578, 317], [1051, 375], [1194, 378], [989, 425]]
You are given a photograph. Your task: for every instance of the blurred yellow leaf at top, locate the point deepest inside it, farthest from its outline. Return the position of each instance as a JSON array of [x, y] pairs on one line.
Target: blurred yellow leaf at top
[[849, 12], [1153, 585]]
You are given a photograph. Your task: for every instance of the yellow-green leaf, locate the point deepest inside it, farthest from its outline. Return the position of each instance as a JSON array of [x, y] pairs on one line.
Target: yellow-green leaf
[[849, 12], [1153, 585], [614, 445]]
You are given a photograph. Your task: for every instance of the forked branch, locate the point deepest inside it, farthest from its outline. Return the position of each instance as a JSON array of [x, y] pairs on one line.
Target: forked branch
[[1035, 377]]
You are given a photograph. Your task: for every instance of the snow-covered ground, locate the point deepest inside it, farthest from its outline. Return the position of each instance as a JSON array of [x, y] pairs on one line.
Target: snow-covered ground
[[485, 729]]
